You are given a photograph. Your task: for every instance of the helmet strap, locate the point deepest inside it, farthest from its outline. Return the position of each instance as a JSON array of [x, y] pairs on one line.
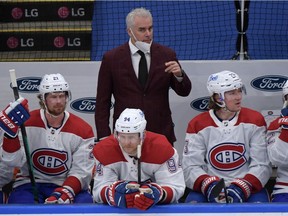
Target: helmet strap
[[221, 97]]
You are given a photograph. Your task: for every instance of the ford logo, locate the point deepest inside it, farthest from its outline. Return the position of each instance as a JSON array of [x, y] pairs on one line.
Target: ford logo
[[84, 105], [270, 83], [200, 104], [28, 84]]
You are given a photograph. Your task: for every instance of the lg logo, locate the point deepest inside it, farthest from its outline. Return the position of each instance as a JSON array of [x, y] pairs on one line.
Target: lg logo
[[18, 13], [60, 42], [64, 12], [14, 42]]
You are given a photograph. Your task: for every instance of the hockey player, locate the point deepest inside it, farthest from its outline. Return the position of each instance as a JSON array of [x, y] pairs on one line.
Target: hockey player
[[60, 146], [6, 175], [120, 181], [277, 137], [228, 142]]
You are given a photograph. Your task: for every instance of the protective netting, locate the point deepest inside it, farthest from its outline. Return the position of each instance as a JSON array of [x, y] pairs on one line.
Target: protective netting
[[197, 29], [194, 29]]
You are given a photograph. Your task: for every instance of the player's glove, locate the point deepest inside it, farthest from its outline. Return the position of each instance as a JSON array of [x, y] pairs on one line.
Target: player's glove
[[284, 112], [61, 195], [283, 121], [14, 115], [239, 191], [207, 186], [121, 193], [150, 194]]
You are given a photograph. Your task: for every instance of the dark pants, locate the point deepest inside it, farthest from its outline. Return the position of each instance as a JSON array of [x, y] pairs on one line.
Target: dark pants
[[24, 194]]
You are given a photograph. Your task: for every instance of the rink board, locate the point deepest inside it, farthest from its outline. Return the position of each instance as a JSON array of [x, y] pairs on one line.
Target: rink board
[[270, 209]]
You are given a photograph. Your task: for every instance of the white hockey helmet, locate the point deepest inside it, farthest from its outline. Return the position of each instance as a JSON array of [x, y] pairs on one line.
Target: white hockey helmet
[[131, 121], [222, 82], [53, 83], [285, 89]]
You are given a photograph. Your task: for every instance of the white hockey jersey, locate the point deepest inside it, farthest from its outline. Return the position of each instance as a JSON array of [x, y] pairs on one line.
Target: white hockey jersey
[[56, 154], [159, 164], [278, 153], [6, 172], [227, 149]]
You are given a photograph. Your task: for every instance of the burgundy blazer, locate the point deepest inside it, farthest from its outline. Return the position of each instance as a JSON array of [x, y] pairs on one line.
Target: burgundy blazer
[[117, 77]]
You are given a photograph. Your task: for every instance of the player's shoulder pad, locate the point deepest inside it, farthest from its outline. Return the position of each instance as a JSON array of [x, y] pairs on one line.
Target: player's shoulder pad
[[78, 126], [156, 148], [248, 115], [108, 151], [200, 122], [34, 119]]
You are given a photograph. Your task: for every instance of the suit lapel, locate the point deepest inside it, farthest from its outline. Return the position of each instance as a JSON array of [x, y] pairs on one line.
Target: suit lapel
[[154, 53]]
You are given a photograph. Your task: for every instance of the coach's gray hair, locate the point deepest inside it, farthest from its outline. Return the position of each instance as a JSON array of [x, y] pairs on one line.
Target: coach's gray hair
[[141, 12]]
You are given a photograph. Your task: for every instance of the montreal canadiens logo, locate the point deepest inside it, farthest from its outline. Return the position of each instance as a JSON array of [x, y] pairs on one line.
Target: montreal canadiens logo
[[200, 104], [227, 156], [28, 84], [271, 83], [50, 162]]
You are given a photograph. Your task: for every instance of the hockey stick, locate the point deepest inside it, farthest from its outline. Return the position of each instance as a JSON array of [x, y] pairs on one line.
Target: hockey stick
[[142, 190], [138, 186], [25, 139], [218, 189], [139, 162]]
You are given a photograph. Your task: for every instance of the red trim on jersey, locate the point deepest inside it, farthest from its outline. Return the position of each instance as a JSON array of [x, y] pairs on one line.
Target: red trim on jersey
[[73, 183], [274, 125], [11, 145], [168, 193], [204, 120], [247, 115], [103, 194], [83, 129], [254, 181], [200, 122], [153, 145], [281, 183], [108, 151], [284, 135], [198, 182], [35, 119]]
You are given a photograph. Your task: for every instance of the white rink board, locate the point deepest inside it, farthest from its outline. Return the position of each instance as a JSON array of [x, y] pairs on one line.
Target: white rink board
[[82, 78]]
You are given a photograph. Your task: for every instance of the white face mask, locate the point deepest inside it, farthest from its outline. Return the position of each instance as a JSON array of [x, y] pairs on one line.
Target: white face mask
[[144, 47]]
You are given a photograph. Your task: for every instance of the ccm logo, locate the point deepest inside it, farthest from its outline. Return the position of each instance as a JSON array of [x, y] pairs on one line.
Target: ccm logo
[[6, 121]]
